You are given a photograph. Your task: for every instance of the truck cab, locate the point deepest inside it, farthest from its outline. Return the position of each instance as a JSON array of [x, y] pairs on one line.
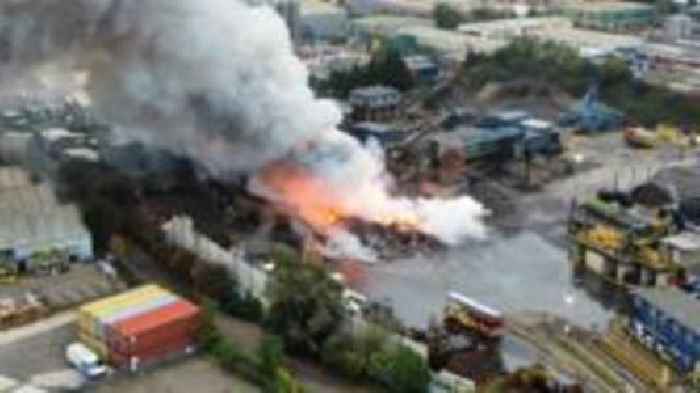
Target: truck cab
[[85, 361]]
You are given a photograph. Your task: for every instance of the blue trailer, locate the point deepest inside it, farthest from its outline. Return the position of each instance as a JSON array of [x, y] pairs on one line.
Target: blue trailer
[[667, 321]]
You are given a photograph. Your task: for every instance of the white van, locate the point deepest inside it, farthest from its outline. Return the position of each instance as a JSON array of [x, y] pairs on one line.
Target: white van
[[85, 360]]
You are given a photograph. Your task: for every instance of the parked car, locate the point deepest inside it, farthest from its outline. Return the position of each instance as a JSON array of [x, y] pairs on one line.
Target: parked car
[[85, 361]]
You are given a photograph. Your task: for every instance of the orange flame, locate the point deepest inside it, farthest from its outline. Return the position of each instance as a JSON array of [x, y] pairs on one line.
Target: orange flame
[[322, 207]]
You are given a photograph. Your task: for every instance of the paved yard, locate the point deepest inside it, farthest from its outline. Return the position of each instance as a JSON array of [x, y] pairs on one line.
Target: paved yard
[[193, 375], [36, 348]]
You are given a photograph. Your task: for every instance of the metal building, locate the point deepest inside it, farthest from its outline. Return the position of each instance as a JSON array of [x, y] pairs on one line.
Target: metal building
[[610, 15], [33, 220]]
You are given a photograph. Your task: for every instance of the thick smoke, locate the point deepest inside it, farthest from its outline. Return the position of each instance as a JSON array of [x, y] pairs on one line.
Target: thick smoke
[[216, 80]]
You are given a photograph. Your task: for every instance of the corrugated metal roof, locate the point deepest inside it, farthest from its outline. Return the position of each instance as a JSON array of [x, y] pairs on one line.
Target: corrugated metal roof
[[31, 215], [676, 304], [147, 322]]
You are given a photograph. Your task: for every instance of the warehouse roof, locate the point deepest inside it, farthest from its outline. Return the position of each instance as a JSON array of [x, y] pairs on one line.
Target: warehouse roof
[[608, 6], [485, 28], [31, 214], [388, 25], [678, 305], [588, 39]]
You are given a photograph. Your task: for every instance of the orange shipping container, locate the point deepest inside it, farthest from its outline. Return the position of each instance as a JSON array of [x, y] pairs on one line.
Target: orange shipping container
[[147, 331], [154, 355]]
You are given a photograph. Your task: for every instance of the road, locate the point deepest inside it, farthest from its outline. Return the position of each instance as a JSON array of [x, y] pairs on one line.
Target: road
[[37, 328]]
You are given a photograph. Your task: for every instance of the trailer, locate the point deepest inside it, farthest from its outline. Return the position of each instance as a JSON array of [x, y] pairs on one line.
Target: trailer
[[462, 312], [667, 321]]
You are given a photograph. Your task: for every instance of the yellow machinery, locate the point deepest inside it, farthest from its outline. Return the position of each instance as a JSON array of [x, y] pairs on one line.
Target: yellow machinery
[[602, 237], [641, 137], [663, 134]]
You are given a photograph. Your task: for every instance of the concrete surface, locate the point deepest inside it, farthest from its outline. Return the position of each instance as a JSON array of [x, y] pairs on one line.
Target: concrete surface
[[40, 352], [193, 375]]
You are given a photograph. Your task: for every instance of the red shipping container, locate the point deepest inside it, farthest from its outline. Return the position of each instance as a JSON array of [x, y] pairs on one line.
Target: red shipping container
[[154, 329], [163, 338], [155, 355]]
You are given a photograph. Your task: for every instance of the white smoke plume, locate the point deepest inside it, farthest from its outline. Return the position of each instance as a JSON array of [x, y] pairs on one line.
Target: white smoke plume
[[216, 80]]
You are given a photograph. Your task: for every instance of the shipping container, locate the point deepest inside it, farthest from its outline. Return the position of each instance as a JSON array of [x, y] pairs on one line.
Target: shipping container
[[157, 354], [87, 311], [90, 307], [90, 321], [120, 302], [144, 332], [101, 324]]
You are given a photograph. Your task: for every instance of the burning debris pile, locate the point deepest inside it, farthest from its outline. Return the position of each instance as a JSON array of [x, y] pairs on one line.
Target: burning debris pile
[[217, 81]]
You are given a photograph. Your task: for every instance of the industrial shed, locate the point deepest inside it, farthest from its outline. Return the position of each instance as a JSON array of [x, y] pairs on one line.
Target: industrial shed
[[33, 220]]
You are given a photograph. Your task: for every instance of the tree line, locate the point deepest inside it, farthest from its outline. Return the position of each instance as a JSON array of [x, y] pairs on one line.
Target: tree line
[[563, 67]]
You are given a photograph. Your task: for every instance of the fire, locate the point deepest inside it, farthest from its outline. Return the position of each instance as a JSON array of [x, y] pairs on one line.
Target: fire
[[323, 207]]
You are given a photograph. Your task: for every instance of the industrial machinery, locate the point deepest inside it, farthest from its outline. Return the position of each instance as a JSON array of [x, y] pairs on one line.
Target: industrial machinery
[[663, 134], [640, 137], [622, 242], [590, 115], [50, 262]]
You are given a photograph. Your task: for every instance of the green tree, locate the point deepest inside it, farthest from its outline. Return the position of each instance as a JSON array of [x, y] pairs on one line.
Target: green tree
[[410, 372], [306, 304], [351, 354], [270, 355], [446, 16], [401, 369], [208, 334]]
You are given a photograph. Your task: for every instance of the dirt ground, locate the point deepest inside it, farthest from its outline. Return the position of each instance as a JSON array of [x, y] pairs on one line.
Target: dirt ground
[[194, 375]]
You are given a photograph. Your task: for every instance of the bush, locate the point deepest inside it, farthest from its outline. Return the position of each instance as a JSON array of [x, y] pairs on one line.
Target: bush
[[270, 355], [246, 307], [446, 17], [368, 356], [409, 372], [283, 382], [208, 335], [339, 353], [226, 354]]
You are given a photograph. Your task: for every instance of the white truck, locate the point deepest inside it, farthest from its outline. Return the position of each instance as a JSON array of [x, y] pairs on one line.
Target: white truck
[[85, 360]]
